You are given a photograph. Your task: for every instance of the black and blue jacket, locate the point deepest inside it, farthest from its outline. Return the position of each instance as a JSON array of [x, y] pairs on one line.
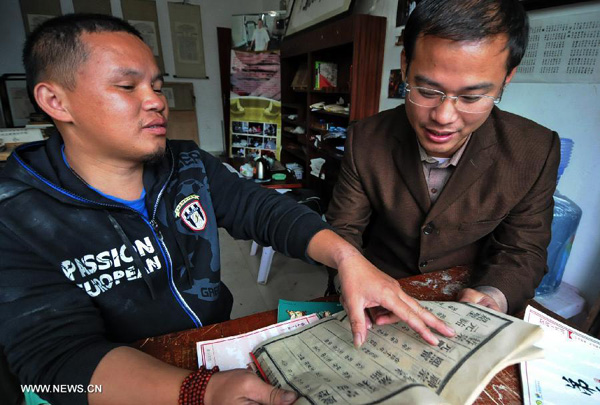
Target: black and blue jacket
[[81, 274]]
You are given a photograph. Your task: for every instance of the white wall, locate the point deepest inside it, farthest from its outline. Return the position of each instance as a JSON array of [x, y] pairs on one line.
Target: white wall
[[573, 110], [208, 91]]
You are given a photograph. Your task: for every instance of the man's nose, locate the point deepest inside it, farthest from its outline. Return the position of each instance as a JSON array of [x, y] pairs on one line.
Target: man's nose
[[154, 100], [445, 113]]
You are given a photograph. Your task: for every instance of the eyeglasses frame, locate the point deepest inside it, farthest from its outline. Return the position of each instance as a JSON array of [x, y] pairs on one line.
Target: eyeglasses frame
[[496, 100]]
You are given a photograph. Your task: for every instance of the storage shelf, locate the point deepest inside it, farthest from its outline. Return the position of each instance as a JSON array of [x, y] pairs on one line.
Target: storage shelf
[[323, 112], [331, 90], [356, 45], [252, 147], [298, 152], [293, 105], [299, 138], [255, 135], [327, 152]]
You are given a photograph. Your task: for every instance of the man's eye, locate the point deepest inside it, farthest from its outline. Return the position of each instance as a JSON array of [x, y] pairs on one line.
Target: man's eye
[[126, 87], [428, 93], [470, 99], [158, 90]]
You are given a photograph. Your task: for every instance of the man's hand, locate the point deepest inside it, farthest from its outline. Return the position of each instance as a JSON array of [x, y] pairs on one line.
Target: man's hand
[[364, 286], [244, 387], [476, 297]]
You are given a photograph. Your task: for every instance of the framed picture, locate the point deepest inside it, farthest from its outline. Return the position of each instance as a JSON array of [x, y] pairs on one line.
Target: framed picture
[[306, 13], [405, 7], [16, 105], [35, 12], [396, 87]]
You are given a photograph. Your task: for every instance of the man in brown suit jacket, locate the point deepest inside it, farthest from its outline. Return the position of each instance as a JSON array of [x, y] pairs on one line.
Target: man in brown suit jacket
[[448, 178]]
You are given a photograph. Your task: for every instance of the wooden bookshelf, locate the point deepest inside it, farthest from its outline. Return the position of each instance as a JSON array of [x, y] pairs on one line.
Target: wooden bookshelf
[[356, 45]]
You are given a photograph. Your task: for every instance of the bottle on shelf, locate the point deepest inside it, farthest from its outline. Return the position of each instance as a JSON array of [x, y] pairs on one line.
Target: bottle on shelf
[[567, 215]]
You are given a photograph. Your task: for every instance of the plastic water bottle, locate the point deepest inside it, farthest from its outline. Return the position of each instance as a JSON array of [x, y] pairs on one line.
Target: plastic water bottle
[[567, 215]]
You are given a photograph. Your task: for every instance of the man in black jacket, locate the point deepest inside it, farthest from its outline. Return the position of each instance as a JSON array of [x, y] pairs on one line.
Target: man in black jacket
[[108, 232]]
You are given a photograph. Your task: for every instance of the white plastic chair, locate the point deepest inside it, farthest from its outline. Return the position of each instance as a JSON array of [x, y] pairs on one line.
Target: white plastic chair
[[266, 257], [267, 254]]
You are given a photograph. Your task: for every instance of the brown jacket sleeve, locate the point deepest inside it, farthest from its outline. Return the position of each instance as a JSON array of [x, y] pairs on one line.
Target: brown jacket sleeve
[[349, 210]]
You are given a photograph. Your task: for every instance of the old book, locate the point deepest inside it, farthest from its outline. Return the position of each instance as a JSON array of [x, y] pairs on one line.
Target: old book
[[301, 79], [394, 365], [325, 75]]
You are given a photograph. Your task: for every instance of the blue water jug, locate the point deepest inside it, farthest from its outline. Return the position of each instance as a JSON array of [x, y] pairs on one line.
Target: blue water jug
[[567, 215]]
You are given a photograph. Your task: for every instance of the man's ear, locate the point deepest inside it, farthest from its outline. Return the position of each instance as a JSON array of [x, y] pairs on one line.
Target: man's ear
[[52, 98], [510, 76], [403, 65]]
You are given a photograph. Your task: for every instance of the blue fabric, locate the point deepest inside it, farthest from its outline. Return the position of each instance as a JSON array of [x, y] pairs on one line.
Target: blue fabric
[[138, 204]]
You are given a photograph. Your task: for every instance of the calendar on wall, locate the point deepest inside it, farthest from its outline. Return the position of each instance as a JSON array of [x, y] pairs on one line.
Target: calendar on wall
[[562, 49]]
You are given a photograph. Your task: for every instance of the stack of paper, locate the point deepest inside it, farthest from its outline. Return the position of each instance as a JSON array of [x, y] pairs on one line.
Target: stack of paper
[[570, 371], [316, 165], [234, 351]]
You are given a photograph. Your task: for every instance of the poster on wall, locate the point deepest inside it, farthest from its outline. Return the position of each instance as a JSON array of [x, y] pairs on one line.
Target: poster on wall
[[396, 86], [562, 49], [16, 105], [405, 8], [306, 13], [148, 31], [36, 20], [92, 6], [258, 32], [35, 12], [142, 15], [186, 34], [255, 104]]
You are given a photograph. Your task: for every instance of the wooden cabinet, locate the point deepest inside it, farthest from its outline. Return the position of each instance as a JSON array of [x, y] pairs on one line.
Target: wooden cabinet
[[355, 44]]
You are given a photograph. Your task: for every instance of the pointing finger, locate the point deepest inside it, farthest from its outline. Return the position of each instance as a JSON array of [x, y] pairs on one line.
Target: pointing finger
[[356, 314]]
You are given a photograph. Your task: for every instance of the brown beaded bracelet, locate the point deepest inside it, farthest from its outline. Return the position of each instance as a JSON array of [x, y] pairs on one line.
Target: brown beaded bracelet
[[193, 387]]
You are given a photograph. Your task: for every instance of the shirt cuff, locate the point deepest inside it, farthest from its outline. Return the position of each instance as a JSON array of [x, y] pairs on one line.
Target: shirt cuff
[[496, 294]]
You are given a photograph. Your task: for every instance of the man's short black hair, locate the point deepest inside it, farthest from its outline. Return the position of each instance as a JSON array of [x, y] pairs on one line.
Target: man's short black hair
[[54, 50], [470, 20]]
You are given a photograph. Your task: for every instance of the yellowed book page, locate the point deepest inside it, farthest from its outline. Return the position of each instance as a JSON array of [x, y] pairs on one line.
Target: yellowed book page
[[395, 365]]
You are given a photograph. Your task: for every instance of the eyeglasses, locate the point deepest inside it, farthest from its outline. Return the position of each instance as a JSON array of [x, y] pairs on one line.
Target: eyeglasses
[[468, 103]]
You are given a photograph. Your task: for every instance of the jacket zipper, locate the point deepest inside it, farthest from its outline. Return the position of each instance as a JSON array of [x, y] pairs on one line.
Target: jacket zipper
[[159, 238], [163, 247]]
